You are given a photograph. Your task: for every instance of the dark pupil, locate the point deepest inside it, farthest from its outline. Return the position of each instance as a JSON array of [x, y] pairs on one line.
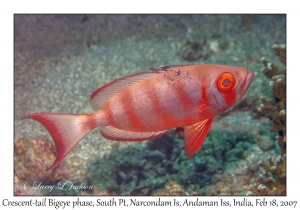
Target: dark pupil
[[226, 82]]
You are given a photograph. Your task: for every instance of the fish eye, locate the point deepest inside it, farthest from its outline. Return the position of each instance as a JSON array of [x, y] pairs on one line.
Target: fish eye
[[226, 82]]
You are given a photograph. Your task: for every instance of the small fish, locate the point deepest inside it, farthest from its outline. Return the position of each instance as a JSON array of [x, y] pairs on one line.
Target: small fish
[[146, 105]]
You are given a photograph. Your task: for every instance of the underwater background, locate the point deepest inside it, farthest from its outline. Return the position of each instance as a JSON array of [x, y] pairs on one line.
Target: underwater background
[[59, 60]]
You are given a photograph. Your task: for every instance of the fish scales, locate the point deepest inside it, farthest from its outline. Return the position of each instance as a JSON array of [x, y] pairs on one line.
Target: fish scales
[[156, 104], [147, 104]]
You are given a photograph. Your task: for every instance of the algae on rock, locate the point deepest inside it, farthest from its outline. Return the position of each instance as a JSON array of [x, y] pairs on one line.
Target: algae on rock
[[142, 169]]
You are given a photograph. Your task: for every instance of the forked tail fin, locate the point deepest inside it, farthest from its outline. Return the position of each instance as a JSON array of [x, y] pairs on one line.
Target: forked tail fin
[[65, 129]]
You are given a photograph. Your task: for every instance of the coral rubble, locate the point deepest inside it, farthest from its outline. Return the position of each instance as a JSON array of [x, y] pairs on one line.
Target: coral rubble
[[32, 159]]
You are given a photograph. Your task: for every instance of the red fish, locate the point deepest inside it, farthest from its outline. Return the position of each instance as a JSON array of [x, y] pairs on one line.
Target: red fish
[[146, 105]]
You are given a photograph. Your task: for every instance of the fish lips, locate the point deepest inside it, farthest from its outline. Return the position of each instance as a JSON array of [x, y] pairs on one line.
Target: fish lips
[[248, 80], [245, 84]]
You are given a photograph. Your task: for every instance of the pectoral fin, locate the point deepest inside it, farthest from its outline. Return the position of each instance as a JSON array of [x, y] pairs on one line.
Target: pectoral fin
[[194, 136]]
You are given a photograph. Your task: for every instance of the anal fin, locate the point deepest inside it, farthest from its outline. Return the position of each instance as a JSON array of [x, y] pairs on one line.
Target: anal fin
[[194, 136], [112, 133]]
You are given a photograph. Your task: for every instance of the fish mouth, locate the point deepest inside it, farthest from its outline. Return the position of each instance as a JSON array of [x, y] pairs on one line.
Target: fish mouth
[[245, 84], [248, 80]]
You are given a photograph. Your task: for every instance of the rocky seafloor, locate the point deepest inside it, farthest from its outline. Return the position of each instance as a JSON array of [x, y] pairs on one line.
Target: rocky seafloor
[[59, 60]]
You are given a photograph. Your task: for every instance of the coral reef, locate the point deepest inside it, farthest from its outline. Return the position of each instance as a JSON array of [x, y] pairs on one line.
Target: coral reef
[[142, 169], [276, 108], [272, 180]]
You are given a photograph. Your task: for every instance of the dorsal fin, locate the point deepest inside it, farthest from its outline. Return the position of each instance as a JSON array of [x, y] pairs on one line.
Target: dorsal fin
[[101, 95], [169, 68]]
